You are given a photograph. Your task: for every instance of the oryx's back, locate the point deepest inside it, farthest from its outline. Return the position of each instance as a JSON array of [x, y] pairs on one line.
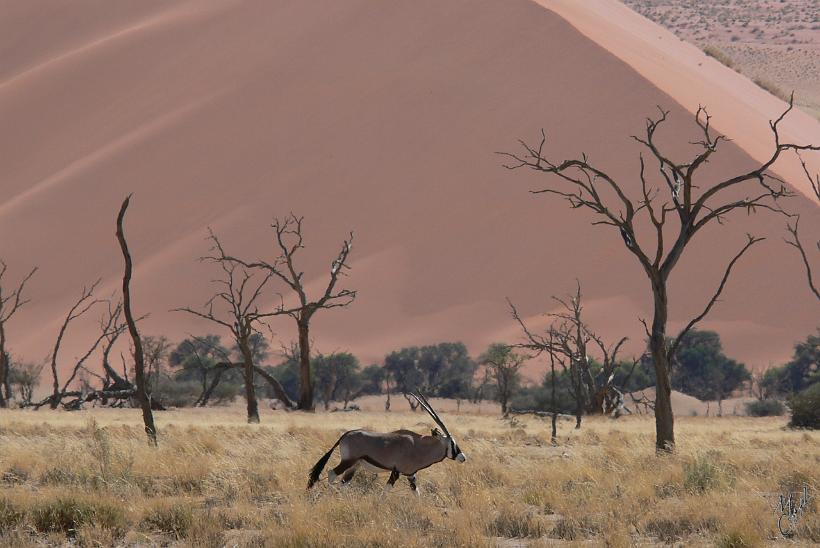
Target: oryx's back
[[402, 450]]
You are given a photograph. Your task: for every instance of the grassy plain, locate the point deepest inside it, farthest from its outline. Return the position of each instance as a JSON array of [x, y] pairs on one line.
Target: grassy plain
[[88, 478]]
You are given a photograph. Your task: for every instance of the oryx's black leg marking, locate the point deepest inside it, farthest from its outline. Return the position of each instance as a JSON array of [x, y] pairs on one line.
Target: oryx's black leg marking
[[342, 468], [348, 476], [412, 480], [394, 475]]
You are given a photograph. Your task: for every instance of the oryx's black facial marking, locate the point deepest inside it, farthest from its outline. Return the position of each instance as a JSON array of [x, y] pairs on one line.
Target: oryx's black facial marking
[[452, 450]]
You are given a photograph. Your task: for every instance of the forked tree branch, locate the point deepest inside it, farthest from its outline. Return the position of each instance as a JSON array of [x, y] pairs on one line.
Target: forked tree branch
[[792, 228], [15, 297], [797, 244], [751, 240]]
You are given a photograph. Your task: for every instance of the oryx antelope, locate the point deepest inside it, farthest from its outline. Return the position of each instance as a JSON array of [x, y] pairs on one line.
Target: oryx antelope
[[401, 452]]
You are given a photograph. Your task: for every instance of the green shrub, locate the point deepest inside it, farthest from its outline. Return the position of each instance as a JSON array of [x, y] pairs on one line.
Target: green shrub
[[805, 408], [174, 518], [720, 55], [765, 408], [670, 530], [10, 515], [174, 393], [68, 514], [772, 88], [515, 523], [705, 473]]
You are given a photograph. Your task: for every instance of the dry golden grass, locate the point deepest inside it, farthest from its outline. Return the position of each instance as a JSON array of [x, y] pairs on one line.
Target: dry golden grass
[[89, 478]]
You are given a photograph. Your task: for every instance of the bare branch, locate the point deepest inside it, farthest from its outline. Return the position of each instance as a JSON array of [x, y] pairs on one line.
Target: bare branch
[[751, 240], [797, 244], [80, 307], [15, 296]]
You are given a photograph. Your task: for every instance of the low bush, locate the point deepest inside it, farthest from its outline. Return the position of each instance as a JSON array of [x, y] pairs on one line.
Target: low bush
[[174, 393], [719, 55], [705, 473], [11, 515], [772, 88], [672, 529], [765, 408], [66, 514], [515, 523], [805, 408], [170, 518]]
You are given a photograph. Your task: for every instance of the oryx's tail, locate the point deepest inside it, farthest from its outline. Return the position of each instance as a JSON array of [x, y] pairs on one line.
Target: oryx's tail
[[316, 471]]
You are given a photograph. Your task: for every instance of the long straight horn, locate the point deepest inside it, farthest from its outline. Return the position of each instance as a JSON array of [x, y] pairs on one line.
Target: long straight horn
[[429, 408]]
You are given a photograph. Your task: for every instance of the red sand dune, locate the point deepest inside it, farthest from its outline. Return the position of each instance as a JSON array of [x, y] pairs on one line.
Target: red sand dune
[[381, 117]]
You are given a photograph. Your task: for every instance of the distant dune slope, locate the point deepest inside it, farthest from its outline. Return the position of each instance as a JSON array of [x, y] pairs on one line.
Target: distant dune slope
[[381, 117]]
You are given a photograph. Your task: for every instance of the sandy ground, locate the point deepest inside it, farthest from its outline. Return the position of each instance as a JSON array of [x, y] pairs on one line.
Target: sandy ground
[[382, 119], [772, 41]]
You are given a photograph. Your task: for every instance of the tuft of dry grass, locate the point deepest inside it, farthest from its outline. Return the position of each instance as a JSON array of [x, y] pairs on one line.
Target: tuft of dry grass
[[720, 55], [89, 478]]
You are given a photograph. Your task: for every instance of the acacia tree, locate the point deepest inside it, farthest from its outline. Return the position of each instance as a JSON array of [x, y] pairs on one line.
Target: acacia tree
[[238, 294], [196, 357], [26, 376], [289, 240], [693, 203], [10, 303], [503, 364], [156, 350]]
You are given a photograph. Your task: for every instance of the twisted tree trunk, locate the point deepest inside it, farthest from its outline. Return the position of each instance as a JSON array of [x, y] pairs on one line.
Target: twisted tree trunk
[[664, 418], [247, 372], [139, 359], [305, 381]]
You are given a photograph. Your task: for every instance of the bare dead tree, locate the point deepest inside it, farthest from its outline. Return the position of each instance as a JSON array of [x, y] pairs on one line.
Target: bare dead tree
[[238, 293], [586, 186], [111, 327], [112, 379], [289, 240], [414, 404], [387, 389], [554, 408], [107, 328], [568, 342], [10, 302], [142, 395], [84, 303], [648, 405], [793, 226]]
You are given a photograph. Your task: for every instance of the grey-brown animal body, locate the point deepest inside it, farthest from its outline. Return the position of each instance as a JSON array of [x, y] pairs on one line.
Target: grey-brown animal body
[[401, 452]]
